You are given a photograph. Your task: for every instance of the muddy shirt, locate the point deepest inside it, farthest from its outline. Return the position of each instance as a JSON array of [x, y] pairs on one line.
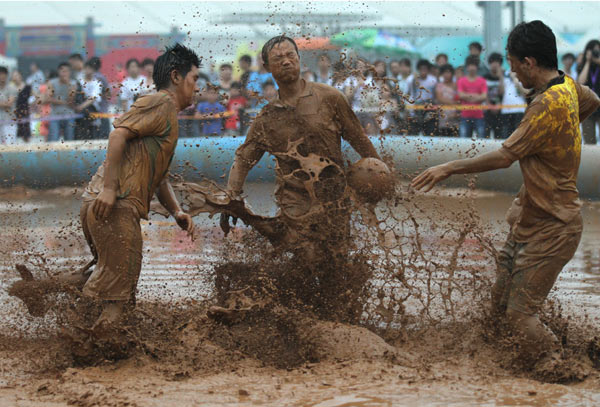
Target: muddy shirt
[[547, 144], [316, 126], [153, 119]]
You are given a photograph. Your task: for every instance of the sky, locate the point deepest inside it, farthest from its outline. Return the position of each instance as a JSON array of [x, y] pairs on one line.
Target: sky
[[199, 17]]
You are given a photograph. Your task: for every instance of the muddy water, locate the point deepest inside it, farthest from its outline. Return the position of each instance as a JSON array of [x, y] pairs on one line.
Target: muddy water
[[174, 268]]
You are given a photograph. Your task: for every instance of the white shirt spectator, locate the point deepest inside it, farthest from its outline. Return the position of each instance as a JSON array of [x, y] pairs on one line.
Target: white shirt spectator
[[132, 88], [92, 89], [35, 80], [511, 97]]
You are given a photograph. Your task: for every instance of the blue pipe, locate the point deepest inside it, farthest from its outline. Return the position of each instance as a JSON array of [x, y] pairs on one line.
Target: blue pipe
[[64, 164]]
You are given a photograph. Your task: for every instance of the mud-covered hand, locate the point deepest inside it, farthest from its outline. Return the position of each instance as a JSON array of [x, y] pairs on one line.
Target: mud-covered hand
[[104, 203], [224, 223], [428, 178], [185, 222]]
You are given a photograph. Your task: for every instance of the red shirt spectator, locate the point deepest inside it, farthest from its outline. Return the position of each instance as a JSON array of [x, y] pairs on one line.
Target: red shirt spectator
[[235, 103], [472, 91]]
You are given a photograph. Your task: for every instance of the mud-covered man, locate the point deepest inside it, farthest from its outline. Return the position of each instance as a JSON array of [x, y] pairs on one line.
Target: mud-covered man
[[545, 217], [303, 128], [140, 150]]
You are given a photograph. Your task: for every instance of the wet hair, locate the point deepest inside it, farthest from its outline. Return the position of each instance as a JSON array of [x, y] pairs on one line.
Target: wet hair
[[568, 55], [476, 45], [535, 40], [264, 53], [589, 46], [176, 57], [131, 61], [225, 66], [76, 56], [495, 57], [446, 68], [148, 61], [472, 60], [236, 85], [4, 70], [405, 62], [269, 83], [95, 63], [246, 58], [62, 65], [423, 63]]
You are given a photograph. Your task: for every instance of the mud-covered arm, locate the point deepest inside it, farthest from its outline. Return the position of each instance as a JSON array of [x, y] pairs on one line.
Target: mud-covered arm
[[246, 157], [352, 130], [166, 197], [588, 101]]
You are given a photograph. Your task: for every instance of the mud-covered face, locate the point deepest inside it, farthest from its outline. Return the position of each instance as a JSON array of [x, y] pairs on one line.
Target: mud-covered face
[[522, 69], [186, 88], [284, 62]]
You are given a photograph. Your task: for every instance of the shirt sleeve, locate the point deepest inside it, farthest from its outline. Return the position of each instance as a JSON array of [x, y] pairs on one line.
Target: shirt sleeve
[[352, 130], [530, 137], [148, 122], [588, 101]]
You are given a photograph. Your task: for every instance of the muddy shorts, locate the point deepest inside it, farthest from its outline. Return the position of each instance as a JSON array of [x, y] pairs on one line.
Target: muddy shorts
[[527, 271], [116, 244]]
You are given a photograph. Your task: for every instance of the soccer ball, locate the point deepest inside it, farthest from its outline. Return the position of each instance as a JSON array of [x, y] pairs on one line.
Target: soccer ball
[[371, 179]]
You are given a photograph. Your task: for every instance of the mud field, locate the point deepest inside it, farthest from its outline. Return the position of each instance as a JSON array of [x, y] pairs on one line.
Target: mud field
[[422, 337]]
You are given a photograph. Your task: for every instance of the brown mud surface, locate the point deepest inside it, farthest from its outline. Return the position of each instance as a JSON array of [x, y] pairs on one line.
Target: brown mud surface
[[421, 338]]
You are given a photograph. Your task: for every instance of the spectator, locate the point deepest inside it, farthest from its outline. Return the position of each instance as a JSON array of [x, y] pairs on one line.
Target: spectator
[[22, 103], [269, 94], [61, 96], [495, 84], [589, 75], [387, 117], [35, 78], [324, 71], [365, 102], [338, 78], [8, 97], [405, 77], [148, 67], [133, 86], [475, 50], [568, 61], [235, 106], [445, 94], [225, 78], [256, 80], [422, 92], [395, 68], [206, 112], [104, 128], [402, 91], [308, 76], [245, 63], [472, 91], [76, 63], [441, 60], [512, 95], [92, 95], [459, 72]]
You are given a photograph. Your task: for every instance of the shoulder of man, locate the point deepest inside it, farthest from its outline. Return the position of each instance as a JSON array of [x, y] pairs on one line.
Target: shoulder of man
[[154, 101]]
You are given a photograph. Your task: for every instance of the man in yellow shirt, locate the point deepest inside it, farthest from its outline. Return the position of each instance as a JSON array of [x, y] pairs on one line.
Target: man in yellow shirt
[[545, 218]]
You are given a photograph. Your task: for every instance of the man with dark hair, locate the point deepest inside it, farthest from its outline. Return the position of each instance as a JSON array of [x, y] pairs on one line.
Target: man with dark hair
[[545, 217], [324, 71], [309, 120], [475, 49], [225, 78], [61, 97], [104, 129], [245, 64], [139, 153], [441, 60], [495, 85], [76, 63], [422, 91], [133, 86], [568, 61], [472, 91]]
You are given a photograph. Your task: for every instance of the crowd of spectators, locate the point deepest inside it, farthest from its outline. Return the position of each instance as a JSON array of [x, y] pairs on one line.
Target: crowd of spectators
[[477, 99]]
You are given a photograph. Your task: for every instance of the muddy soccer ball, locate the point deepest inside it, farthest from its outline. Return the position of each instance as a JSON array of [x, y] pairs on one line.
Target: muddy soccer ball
[[371, 179]]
